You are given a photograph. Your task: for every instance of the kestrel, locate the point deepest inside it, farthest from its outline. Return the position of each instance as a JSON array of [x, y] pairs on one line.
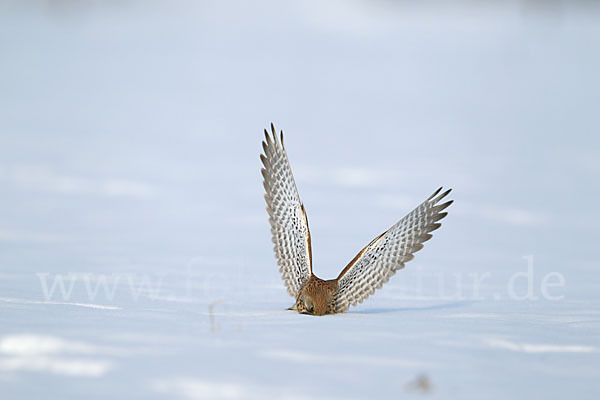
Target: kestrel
[[369, 270]]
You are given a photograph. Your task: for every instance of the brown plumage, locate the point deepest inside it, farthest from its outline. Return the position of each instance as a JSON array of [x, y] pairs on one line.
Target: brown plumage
[[317, 297], [368, 271]]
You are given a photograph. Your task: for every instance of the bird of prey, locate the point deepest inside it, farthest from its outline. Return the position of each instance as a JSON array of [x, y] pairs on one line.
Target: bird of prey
[[369, 270]]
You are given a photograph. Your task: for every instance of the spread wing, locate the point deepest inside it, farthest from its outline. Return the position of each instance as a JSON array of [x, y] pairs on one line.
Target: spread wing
[[289, 224], [387, 253]]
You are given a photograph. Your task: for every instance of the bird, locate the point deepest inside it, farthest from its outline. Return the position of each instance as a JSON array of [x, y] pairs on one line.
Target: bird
[[367, 271]]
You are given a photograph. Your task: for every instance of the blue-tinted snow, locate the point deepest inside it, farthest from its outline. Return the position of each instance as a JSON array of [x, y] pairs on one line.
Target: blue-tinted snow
[[129, 172]]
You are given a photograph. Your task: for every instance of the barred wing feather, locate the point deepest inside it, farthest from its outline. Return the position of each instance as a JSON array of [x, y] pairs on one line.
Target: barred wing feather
[[289, 224], [379, 260]]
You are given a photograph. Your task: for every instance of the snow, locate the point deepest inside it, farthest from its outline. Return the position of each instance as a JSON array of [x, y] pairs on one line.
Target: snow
[[135, 256]]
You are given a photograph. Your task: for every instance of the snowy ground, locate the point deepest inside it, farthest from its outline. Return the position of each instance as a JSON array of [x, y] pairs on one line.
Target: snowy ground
[[129, 173]]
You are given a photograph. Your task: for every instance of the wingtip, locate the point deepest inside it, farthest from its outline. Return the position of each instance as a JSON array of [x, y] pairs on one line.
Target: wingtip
[[274, 134], [437, 198], [435, 193], [272, 138], [446, 193], [442, 207]]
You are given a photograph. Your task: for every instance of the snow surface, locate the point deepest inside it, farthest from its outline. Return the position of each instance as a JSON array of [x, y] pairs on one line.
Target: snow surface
[[129, 173]]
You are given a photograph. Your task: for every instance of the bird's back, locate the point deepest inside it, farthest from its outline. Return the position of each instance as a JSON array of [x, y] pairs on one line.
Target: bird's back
[[323, 293]]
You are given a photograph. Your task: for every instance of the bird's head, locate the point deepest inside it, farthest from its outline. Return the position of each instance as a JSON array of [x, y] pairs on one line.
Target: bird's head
[[312, 305]]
